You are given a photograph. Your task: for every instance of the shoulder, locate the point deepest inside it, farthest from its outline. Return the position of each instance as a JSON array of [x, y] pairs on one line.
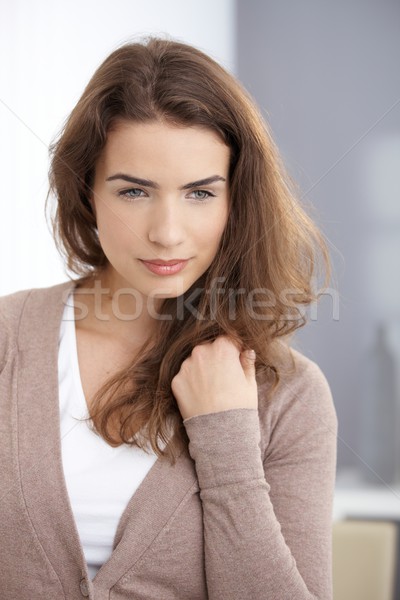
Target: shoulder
[[13, 306], [301, 406]]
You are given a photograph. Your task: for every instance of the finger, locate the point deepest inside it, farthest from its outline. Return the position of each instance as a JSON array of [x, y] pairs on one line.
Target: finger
[[225, 339], [248, 362]]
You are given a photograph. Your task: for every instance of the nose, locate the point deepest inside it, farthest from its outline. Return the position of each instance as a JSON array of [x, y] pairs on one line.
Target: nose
[[166, 224]]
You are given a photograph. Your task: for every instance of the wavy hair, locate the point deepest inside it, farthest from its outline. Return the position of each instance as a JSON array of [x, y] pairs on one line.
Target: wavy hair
[[270, 247]]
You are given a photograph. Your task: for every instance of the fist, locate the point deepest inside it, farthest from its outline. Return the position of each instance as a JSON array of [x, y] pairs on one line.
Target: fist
[[217, 376]]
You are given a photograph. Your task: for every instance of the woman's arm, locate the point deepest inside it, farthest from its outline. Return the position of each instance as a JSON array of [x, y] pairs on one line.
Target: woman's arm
[[4, 337], [11, 307], [267, 519]]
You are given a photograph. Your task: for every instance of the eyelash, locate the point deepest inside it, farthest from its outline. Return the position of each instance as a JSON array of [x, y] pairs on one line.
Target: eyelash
[[125, 194]]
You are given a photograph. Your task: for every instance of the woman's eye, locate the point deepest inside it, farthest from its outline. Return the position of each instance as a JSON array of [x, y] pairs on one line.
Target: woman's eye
[[201, 195], [131, 193]]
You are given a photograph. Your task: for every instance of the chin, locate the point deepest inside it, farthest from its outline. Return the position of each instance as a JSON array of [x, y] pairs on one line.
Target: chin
[[172, 293]]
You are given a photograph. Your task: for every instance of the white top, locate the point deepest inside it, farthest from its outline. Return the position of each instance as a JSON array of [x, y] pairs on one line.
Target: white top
[[100, 479]]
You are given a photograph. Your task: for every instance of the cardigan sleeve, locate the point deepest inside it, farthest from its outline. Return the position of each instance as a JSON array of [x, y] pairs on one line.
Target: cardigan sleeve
[[11, 307], [267, 519], [4, 339]]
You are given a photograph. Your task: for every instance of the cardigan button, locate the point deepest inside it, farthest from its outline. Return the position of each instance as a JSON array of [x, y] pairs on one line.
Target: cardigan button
[[84, 587]]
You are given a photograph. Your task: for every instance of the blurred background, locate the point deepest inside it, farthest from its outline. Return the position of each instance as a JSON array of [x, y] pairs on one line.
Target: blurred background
[[326, 78]]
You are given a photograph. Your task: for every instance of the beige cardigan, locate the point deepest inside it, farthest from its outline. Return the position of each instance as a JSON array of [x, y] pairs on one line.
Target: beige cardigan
[[244, 514]]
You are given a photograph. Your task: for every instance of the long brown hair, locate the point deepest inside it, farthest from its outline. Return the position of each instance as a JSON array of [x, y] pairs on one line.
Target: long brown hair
[[270, 245]]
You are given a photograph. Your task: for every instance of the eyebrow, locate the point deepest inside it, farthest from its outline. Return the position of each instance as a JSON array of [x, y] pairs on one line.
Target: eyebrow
[[153, 184]]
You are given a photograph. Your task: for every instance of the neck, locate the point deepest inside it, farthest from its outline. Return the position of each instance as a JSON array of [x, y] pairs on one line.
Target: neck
[[107, 307]]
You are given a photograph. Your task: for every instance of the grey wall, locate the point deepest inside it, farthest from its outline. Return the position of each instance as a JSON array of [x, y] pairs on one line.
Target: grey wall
[[324, 74]]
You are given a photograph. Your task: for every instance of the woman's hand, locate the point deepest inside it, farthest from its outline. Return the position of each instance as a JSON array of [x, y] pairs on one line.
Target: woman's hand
[[216, 376]]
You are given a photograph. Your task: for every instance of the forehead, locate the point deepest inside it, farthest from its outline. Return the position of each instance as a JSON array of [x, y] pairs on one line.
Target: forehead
[[161, 144]]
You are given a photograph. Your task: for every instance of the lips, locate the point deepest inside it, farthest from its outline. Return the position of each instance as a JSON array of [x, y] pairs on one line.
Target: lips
[[164, 267], [173, 261]]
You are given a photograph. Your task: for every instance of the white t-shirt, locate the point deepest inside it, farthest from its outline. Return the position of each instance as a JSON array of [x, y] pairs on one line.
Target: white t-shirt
[[100, 479]]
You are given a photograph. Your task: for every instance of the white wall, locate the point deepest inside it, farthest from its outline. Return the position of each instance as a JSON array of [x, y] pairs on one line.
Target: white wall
[[48, 52]]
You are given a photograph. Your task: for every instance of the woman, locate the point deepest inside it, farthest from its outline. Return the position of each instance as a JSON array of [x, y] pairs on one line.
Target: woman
[[160, 438]]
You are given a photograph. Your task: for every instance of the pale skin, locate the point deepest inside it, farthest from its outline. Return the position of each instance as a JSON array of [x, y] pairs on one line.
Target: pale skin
[[164, 218], [217, 376]]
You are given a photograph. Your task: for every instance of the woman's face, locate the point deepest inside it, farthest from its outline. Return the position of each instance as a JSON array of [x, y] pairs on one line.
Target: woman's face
[[160, 194]]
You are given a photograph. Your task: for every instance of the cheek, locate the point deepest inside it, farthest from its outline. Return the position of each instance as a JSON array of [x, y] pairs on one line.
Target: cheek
[[213, 228], [114, 231]]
